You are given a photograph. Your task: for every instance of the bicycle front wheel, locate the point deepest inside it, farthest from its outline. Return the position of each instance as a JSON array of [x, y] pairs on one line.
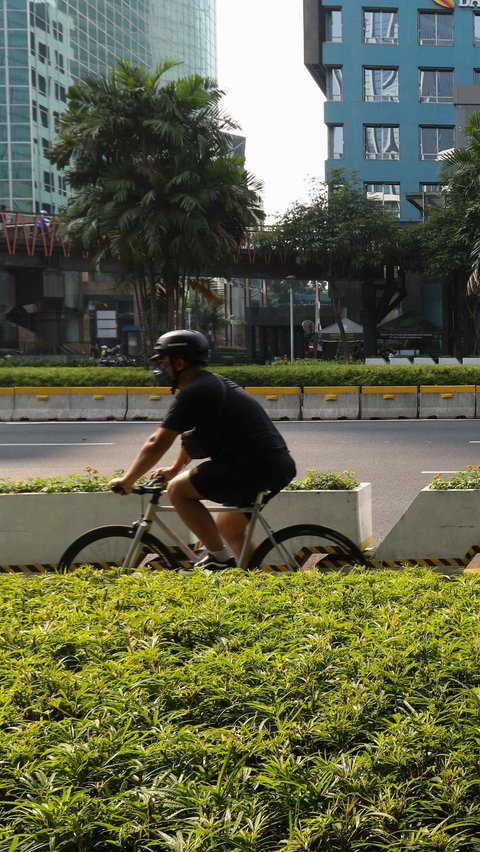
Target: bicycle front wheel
[[107, 547], [307, 547]]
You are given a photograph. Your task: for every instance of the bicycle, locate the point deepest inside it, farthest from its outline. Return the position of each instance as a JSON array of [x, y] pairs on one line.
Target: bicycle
[[293, 548]]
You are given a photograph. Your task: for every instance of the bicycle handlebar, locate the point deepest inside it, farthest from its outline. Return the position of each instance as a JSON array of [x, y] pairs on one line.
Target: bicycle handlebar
[[153, 486]]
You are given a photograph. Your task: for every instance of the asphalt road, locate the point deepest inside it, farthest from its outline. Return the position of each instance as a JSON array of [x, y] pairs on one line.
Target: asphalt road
[[399, 457]]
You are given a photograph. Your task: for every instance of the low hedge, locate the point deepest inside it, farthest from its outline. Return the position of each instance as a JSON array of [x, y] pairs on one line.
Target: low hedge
[[301, 374]]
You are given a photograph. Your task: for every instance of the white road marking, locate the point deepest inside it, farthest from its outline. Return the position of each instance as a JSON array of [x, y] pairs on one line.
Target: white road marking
[[68, 444], [439, 471]]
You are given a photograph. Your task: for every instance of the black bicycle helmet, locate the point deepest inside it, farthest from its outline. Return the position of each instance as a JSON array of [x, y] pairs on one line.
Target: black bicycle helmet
[[192, 346]]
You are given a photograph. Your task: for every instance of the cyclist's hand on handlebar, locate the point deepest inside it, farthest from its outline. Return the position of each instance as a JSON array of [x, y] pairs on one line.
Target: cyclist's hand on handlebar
[[166, 473], [119, 486]]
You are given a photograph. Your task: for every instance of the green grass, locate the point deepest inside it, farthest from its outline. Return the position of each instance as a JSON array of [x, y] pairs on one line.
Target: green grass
[[239, 712]]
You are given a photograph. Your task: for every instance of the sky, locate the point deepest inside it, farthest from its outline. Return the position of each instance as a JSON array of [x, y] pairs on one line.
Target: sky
[[272, 96]]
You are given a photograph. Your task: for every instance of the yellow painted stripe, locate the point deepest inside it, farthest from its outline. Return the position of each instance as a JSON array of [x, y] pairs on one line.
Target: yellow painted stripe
[[330, 389], [447, 388], [155, 390], [272, 390], [381, 389], [7, 391], [92, 390], [42, 391]]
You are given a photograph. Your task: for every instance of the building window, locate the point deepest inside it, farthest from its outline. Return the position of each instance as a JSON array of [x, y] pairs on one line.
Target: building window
[[42, 52], [380, 84], [335, 142], [434, 140], [333, 25], [435, 85], [57, 30], [382, 142], [334, 84], [476, 28], [435, 28], [380, 26], [60, 92], [387, 193], [42, 84], [428, 188], [43, 116], [48, 182], [476, 76], [59, 61]]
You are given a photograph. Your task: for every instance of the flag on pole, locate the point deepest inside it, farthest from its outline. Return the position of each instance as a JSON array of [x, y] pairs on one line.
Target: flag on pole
[[318, 326]]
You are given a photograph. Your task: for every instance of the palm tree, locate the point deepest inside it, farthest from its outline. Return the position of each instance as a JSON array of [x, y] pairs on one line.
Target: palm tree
[[155, 184], [461, 175]]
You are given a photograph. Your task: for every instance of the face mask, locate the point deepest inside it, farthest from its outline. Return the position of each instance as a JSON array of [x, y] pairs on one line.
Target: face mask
[[161, 378]]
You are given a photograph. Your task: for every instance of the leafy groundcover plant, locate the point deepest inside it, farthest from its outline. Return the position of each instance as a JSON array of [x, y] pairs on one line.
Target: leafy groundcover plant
[[89, 480], [239, 712], [468, 478], [324, 480]]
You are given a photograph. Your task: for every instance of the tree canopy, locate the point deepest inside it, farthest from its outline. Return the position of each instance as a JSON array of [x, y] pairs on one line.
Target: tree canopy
[[348, 234], [156, 185]]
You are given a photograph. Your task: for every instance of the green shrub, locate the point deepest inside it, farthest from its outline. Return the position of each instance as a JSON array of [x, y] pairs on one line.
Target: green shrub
[[320, 480], [243, 712], [89, 480], [298, 374], [469, 478]]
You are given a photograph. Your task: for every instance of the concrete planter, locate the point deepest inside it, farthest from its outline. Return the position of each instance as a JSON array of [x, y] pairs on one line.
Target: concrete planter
[[35, 529], [438, 525], [349, 512]]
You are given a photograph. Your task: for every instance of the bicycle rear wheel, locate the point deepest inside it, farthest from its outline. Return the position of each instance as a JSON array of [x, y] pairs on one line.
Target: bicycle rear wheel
[[106, 547], [306, 547]]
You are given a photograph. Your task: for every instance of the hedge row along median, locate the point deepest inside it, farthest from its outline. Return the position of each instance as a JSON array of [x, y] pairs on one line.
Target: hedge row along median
[[301, 374]]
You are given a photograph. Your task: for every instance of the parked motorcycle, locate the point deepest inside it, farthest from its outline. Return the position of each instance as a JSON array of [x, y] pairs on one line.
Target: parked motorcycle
[[113, 357]]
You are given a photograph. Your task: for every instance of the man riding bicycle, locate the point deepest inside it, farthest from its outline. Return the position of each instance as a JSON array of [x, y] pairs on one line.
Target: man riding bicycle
[[244, 451]]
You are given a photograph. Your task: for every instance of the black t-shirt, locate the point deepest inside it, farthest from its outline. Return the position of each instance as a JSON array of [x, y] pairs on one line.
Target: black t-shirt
[[229, 423]]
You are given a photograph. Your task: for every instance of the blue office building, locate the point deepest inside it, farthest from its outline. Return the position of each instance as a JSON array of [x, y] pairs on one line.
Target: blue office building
[[391, 72], [47, 46]]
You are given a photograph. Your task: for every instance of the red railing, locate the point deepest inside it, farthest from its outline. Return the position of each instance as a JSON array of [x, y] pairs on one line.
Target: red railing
[[31, 233]]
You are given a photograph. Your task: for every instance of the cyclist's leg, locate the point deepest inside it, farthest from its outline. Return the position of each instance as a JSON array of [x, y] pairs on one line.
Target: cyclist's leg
[[232, 527], [187, 502]]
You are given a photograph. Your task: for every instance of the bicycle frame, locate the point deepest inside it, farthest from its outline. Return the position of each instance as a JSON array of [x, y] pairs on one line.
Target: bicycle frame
[[154, 510]]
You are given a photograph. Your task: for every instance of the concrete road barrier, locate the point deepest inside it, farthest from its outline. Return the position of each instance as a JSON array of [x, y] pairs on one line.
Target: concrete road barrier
[[454, 401], [385, 402], [7, 400], [331, 403], [279, 403], [41, 404], [148, 403], [98, 404]]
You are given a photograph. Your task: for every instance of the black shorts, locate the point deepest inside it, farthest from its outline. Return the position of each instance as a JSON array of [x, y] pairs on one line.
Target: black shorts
[[234, 483]]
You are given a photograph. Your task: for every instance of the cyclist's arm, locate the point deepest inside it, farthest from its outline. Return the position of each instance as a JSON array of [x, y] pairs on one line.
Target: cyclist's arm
[[152, 451], [169, 472]]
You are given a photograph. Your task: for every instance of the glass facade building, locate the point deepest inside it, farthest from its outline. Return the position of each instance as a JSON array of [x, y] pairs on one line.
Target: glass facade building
[[390, 71], [47, 46]]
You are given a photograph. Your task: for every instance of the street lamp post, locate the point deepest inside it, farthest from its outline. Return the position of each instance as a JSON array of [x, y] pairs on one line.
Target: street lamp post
[[291, 279]]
